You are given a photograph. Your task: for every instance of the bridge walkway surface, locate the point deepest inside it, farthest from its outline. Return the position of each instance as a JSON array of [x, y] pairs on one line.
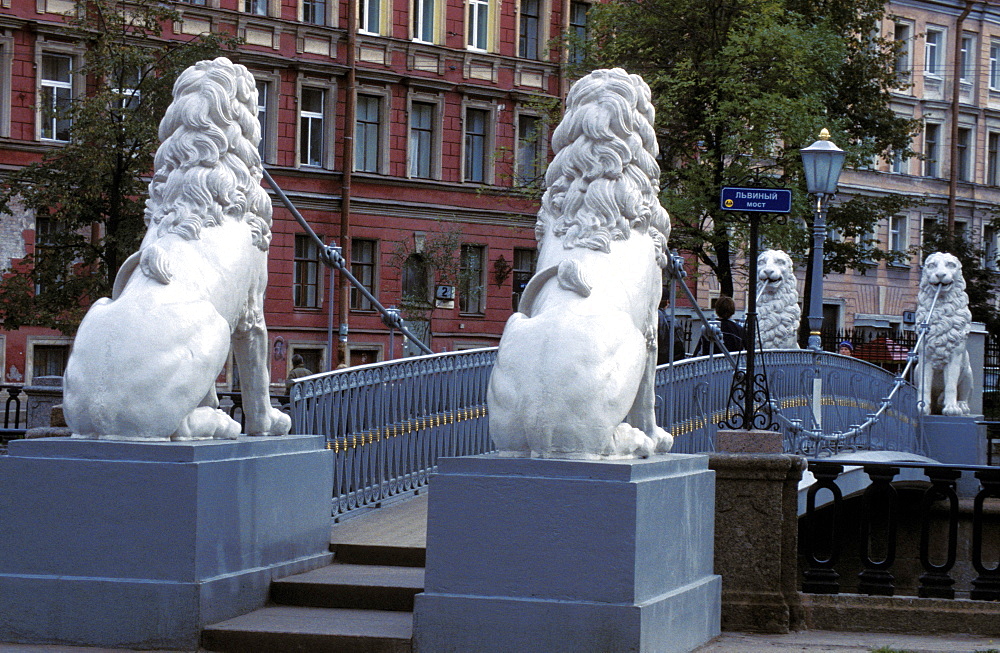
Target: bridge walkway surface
[[394, 536]]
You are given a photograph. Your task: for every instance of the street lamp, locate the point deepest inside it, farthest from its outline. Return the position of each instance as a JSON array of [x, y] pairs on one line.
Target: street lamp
[[823, 162]]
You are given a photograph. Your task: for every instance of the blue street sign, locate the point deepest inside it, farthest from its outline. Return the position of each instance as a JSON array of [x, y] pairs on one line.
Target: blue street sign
[[760, 200]]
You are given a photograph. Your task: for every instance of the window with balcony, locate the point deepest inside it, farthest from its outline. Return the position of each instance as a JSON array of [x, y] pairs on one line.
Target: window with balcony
[[363, 267], [312, 118], [471, 282], [476, 141], [422, 146], [367, 131], [306, 276], [530, 27], [56, 89]]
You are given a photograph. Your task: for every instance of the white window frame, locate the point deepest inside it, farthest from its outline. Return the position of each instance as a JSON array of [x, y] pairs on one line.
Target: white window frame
[[328, 119], [55, 85], [934, 50], [477, 17], [369, 12]]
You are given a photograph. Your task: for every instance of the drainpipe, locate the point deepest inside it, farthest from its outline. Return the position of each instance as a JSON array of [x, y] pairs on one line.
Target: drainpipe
[[347, 157], [956, 91]]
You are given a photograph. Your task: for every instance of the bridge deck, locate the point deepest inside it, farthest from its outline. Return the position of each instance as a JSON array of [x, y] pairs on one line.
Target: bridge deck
[[402, 523]]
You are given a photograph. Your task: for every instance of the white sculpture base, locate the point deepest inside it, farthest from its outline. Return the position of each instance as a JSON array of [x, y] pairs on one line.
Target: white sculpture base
[[555, 555], [140, 545]]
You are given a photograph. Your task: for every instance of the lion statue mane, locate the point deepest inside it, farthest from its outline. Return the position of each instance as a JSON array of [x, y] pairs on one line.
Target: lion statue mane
[[778, 309], [574, 375], [145, 361], [943, 371]]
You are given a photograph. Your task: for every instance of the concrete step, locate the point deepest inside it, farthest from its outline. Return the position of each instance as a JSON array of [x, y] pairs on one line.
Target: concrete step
[[365, 587], [378, 554], [291, 629]]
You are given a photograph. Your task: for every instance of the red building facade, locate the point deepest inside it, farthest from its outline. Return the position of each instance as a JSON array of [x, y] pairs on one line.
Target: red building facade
[[436, 106]]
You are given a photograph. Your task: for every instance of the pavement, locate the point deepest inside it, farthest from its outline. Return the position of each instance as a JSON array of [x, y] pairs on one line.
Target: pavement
[[403, 523]]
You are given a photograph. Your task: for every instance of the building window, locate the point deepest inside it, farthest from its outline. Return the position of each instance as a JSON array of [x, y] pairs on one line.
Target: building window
[[992, 150], [306, 277], [314, 12], [421, 140], [48, 360], [416, 280], [263, 100], [311, 126], [366, 133], [968, 52], [897, 233], [478, 24], [995, 66], [370, 16], [990, 250], [476, 121], [901, 36], [363, 269], [933, 48], [423, 20], [898, 165], [528, 38], [964, 153], [931, 149], [529, 151], [578, 31], [524, 268], [471, 285], [56, 97], [258, 7]]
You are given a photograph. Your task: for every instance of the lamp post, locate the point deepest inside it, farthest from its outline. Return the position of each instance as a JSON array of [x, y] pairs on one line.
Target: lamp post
[[823, 162]]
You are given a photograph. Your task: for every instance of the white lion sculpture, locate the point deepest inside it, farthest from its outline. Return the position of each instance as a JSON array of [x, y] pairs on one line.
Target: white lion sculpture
[[574, 375], [778, 309], [144, 362], [943, 372]]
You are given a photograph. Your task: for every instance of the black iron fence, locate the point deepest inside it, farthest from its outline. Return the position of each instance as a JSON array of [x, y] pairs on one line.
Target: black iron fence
[[919, 538]]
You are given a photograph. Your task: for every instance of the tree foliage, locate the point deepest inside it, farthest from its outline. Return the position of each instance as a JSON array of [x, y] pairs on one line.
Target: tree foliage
[[88, 195], [740, 86]]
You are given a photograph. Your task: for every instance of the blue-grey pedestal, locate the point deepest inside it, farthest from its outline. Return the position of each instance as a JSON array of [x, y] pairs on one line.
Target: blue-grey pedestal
[[534, 555], [140, 545]]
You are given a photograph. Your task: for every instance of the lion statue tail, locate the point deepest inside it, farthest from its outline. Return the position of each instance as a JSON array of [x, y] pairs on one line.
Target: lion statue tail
[[154, 264]]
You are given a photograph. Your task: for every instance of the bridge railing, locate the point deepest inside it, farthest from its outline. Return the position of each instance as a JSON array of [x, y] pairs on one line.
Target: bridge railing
[[390, 422], [694, 396]]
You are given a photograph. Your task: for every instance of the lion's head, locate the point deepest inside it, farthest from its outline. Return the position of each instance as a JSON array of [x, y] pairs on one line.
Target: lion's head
[[207, 169], [950, 321], [604, 180], [777, 300]]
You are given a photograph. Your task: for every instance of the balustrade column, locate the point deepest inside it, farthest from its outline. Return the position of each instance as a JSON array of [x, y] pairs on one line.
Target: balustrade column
[[820, 577], [937, 582], [986, 586]]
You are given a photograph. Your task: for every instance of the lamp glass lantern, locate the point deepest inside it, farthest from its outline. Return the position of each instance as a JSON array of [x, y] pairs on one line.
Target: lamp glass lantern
[[823, 162]]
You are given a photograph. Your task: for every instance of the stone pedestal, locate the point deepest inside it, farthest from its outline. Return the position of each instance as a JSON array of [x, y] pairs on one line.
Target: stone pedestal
[[534, 555], [756, 540], [959, 441], [753, 441], [140, 545]]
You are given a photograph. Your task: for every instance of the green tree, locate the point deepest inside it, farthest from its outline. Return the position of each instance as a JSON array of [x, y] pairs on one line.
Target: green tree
[[88, 195], [740, 86]]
